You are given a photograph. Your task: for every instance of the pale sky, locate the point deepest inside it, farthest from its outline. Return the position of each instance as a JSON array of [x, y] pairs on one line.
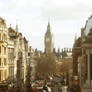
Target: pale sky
[[67, 17]]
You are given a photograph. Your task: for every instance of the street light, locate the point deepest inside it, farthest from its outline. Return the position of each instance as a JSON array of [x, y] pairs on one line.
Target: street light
[[28, 84]]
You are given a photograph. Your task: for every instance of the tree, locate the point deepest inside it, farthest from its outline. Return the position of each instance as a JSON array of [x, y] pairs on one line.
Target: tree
[[66, 66], [46, 64]]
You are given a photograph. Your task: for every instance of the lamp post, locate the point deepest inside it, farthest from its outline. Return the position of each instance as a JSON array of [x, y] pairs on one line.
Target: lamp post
[[28, 84], [19, 72]]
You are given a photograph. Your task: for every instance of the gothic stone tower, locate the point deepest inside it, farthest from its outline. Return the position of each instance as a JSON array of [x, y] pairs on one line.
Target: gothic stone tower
[[49, 41]]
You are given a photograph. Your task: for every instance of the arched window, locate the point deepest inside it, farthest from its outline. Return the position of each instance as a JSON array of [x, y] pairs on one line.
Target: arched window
[[5, 74], [0, 36], [5, 62], [4, 50]]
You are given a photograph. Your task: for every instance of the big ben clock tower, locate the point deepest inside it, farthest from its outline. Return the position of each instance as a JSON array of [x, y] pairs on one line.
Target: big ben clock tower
[[49, 41]]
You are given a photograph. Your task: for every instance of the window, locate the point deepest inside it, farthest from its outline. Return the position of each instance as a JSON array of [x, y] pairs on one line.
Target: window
[[5, 50], [0, 49], [0, 61], [0, 75], [28, 54], [5, 63], [0, 36], [4, 36], [5, 74]]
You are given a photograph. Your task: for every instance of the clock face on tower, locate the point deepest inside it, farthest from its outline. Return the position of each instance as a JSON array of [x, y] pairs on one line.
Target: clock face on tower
[[47, 39]]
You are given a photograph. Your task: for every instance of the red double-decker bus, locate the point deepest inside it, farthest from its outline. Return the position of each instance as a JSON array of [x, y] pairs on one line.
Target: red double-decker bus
[[3, 87]]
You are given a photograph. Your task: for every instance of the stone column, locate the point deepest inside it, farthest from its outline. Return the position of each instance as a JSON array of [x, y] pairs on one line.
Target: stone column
[[88, 74], [1, 75], [87, 86]]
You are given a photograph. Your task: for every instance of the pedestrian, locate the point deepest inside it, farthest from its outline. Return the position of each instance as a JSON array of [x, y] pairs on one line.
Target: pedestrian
[[68, 89], [46, 88], [60, 89]]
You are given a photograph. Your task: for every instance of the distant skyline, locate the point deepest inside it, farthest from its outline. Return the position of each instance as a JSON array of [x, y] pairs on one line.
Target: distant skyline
[[66, 17]]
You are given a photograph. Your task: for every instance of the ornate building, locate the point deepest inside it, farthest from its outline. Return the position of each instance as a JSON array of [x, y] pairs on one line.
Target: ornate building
[[12, 35], [76, 53], [3, 51], [49, 40], [82, 57], [17, 54], [17, 51]]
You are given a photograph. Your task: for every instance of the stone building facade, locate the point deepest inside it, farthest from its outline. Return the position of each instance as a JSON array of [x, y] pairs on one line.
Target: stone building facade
[[82, 57], [13, 54], [32, 62], [3, 51], [17, 54], [12, 35]]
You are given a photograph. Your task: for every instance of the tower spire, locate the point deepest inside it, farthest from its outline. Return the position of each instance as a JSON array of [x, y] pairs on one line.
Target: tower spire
[[75, 37], [10, 25], [48, 27], [48, 24], [16, 27]]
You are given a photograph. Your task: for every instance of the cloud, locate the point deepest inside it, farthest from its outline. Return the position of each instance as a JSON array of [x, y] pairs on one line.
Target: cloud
[[33, 15], [66, 11], [43, 9]]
